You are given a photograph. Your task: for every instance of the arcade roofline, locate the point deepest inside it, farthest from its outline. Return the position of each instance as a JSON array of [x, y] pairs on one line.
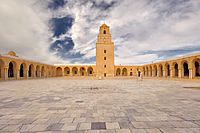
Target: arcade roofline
[[175, 58], [154, 62], [74, 64], [22, 59]]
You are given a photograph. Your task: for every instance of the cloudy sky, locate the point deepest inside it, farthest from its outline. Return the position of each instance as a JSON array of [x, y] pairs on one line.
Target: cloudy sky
[[65, 31]]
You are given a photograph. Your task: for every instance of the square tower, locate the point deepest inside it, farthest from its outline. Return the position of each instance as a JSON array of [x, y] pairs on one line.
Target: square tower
[[104, 53]]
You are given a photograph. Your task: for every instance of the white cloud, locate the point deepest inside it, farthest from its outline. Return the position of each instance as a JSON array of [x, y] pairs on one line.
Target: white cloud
[[136, 59], [22, 30], [136, 26]]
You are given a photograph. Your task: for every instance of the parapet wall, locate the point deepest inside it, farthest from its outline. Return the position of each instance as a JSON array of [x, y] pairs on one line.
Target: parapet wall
[[182, 67], [14, 67]]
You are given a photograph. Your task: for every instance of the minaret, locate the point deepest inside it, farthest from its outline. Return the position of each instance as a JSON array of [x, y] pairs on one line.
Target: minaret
[[104, 53]]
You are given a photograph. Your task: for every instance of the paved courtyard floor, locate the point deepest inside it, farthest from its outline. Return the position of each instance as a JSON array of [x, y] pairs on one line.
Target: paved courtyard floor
[[59, 105]]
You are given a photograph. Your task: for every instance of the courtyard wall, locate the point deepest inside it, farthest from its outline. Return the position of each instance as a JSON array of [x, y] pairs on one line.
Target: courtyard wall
[[14, 67], [187, 67]]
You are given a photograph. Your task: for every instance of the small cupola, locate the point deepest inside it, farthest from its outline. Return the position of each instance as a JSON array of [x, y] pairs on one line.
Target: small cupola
[[11, 53]]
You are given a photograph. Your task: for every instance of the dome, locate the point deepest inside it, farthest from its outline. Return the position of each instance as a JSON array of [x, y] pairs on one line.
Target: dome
[[11, 53]]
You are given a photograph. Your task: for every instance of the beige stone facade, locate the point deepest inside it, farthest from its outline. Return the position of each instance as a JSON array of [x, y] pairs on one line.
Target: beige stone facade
[[182, 67], [126, 70], [14, 67], [104, 53], [75, 70]]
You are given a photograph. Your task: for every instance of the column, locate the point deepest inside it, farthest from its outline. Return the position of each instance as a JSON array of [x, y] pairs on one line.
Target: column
[[180, 73], [63, 73], [171, 71], [153, 73], [71, 72], [34, 74], [17, 74], [2, 73], [164, 73], [5, 77], [158, 73], [40, 74], [47, 73], [78, 72], [27, 74], [190, 73]]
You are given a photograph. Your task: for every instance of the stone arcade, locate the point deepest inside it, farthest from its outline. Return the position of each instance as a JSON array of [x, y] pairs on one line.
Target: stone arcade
[[14, 67]]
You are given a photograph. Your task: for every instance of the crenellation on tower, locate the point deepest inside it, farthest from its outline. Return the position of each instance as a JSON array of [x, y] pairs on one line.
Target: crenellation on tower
[[104, 36]]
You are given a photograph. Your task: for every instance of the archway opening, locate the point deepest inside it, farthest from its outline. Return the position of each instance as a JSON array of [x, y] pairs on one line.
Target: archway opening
[[150, 71], [1, 69], [167, 70], [82, 71], [66, 71], [74, 71], [58, 71], [11, 70], [185, 69], [144, 72], [37, 72], [124, 72], [131, 73], [118, 72], [30, 70], [90, 71], [22, 70], [155, 71], [197, 69], [176, 70], [42, 71], [161, 70], [147, 71]]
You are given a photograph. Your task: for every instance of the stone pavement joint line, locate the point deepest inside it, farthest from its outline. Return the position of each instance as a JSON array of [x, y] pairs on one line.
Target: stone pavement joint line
[[58, 105]]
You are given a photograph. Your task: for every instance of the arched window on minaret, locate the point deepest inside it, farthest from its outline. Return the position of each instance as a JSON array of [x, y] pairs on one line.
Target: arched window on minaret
[[104, 32]]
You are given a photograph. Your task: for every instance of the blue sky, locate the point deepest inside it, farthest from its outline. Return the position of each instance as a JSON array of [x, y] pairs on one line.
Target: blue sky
[[65, 31]]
